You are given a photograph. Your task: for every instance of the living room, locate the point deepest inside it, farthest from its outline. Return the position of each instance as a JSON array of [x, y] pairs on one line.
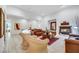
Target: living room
[[49, 24]]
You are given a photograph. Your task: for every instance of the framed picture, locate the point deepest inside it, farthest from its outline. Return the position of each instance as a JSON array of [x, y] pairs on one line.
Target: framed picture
[[53, 26], [17, 26]]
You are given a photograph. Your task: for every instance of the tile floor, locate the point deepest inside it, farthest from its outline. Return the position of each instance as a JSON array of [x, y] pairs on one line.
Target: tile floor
[[13, 44], [1, 44]]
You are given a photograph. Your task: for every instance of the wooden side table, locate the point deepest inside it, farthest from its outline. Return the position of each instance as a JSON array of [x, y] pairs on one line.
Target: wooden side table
[[72, 46]]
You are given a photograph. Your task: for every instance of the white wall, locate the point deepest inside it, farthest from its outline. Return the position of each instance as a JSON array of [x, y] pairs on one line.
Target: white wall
[[69, 15], [22, 22], [41, 22]]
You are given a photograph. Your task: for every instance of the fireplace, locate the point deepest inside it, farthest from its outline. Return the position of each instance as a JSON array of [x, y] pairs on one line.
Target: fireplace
[[65, 28]]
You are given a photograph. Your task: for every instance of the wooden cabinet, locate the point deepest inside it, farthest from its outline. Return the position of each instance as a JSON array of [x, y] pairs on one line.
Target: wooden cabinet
[[2, 24], [72, 46]]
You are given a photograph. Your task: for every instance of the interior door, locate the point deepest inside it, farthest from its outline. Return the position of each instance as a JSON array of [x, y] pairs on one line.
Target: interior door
[[2, 24]]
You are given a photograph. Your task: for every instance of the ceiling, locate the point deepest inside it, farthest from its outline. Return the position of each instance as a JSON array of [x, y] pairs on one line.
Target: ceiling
[[40, 9], [32, 11]]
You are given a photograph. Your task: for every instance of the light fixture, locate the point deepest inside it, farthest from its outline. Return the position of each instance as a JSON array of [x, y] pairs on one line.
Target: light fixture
[[76, 27]]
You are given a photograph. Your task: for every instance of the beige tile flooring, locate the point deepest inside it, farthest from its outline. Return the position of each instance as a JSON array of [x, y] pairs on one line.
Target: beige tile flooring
[[57, 47], [1, 44], [13, 44]]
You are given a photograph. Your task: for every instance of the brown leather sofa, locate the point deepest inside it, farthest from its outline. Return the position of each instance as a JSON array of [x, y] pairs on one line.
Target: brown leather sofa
[[37, 32]]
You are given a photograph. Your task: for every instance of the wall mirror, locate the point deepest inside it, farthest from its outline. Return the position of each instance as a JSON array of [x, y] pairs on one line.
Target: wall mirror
[[53, 24]]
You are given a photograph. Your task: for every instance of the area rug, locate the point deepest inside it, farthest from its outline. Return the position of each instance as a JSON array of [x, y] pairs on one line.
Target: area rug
[[51, 41]]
